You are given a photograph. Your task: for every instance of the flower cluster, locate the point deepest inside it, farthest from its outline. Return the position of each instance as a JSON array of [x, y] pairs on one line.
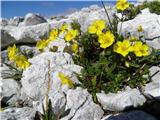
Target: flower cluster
[[20, 60], [69, 35], [121, 47]]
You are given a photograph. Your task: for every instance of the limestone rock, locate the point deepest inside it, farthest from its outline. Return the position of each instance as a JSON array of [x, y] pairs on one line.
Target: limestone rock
[[33, 19], [151, 27], [24, 34], [81, 106], [24, 113], [3, 22], [86, 16], [35, 78], [15, 21], [152, 88], [121, 100], [9, 89]]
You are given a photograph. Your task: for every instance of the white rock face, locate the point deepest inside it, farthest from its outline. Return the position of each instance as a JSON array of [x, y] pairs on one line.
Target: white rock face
[[150, 24], [24, 113], [121, 100], [24, 34], [133, 115], [87, 15], [15, 21], [58, 100], [3, 22], [59, 43], [153, 88], [81, 106], [9, 87], [35, 77], [32, 19]]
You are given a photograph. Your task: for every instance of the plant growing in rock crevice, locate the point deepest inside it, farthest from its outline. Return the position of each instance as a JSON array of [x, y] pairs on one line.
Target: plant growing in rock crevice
[[18, 61], [48, 112], [133, 11], [110, 61]]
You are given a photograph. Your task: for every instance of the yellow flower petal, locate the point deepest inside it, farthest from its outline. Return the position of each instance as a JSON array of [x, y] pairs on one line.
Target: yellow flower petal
[[75, 47], [42, 44], [71, 35], [53, 34], [63, 28], [122, 5], [21, 62], [140, 49], [12, 51], [106, 39], [65, 80], [97, 27], [92, 29], [123, 47]]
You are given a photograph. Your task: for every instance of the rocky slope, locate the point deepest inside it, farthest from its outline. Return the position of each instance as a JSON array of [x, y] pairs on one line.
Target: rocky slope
[[30, 91]]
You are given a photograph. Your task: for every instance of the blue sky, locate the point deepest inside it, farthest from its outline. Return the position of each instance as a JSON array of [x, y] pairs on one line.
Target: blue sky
[[10, 9]]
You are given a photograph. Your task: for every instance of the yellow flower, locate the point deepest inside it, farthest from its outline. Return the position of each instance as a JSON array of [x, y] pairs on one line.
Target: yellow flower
[[106, 39], [53, 34], [64, 27], [75, 47], [21, 62], [139, 29], [133, 38], [12, 51], [97, 27], [122, 5], [71, 35], [140, 49], [65, 80], [123, 47], [42, 44]]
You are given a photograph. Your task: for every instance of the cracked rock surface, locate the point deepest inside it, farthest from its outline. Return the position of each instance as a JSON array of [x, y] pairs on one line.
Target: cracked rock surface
[[34, 80], [24, 113], [121, 100], [150, 23]]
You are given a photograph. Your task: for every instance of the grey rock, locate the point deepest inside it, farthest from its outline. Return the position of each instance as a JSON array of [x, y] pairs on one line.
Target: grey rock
[[6, 38], [133, 115], [9, 90], [33, 19], [58, 100], [121, 100], [145, 11], [35, 78], [87, 15], [24, 34], [15, 21], [151, 27], [23, 48], [4, 56], [81, 106], [24, 113], [3, 22], [153, 88]]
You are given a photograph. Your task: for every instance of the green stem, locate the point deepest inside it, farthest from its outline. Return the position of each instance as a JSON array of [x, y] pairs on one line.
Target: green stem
[[107, 16]]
